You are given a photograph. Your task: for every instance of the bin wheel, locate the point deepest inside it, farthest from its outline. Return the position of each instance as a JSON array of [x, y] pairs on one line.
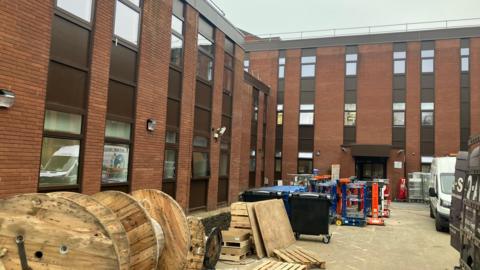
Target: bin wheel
[[338, 222], [326, 239], [297, 235]]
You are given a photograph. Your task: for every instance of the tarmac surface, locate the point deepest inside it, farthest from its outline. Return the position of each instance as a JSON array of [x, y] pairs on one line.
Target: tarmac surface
[[408, 241]]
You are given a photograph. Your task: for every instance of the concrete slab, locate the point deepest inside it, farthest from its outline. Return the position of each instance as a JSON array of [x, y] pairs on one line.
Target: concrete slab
[[408, 241]]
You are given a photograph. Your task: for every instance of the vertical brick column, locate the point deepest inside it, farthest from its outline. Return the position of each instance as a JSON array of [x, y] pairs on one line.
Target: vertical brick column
[[413, 107], [330, 79], [260, 150], [265, 64], [291, 113], [97, 97], [217, 97], [25, 33], [187, 108], [374, 101], [447, 96], [236, 180], [475, 86], [152, 92], [245, 128]]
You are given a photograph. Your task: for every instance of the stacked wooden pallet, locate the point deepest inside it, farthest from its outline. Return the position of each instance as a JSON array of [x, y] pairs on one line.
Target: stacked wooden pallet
[[273, 265], [235, 245], [301, 256]]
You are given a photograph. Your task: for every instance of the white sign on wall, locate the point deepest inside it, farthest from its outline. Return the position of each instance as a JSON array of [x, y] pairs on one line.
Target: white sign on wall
[[397, 164]]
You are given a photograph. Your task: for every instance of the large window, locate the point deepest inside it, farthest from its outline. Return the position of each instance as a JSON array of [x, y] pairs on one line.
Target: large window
[[306, 114], [351, 64], [399, 59], [127, 21], [308, 66], [399, 114], [350, 114], [246, 62], [281, 67], [465, 59], [427, 114], [428, 64], [206, 51], [79, 8], [116, 152]]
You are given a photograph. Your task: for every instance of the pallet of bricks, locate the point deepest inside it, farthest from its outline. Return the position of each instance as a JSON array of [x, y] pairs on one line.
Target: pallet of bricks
[[236, 241]]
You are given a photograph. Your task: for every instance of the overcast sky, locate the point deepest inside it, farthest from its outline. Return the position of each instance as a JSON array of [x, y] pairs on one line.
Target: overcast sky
[[273, 16]]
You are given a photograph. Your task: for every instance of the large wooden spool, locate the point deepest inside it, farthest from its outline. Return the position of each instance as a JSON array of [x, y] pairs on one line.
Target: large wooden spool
[[109, 220], [166, 211], [142, 236], [57, 234]]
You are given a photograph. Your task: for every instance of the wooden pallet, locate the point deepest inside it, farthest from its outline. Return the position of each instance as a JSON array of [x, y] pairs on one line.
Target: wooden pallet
[[230, 257], [273, 265], [300, 256], [240, 217]]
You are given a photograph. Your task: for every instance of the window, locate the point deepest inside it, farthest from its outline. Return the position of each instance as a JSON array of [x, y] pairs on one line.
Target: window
[[171, 137], [305, 166], [205, 67], [308, 66], [351, 64], [177, 25], [399, 114], [246, 65], [399, 59], [176, 51], [465, 59], [118, 130], [59, 162], [62, 122], [228, 65], [306, 114], [427, 61], [279, 118], [169, 167], [205, 44], [427, 118], [200, 165], [350, 114], [79, 8], [127, 22], [223, 170], [206, 50], [281, 67], [115, 163]]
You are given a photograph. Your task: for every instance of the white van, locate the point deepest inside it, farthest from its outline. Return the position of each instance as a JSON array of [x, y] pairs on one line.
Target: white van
[[62, 167], [440, 190]]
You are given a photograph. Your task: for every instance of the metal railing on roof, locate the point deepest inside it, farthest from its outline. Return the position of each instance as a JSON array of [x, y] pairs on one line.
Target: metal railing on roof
[[374, 29], [216, 7]]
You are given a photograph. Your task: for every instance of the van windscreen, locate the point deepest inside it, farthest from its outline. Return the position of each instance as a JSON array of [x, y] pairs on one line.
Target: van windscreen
[[446, 181]]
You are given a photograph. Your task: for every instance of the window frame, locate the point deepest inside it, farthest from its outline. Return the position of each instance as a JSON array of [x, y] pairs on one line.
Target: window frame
[[74, 18], [350, 61], [118, 39], [427, 58], [347, 111], [402, 59]]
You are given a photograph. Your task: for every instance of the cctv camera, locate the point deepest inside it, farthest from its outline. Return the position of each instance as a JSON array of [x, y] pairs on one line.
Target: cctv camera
[[221, 131]]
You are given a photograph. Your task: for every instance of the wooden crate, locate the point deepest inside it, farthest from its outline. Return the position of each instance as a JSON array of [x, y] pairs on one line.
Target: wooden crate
[[234, 258], [300, 256], [235, 246], [273, 265], [233, 234], [240, 217]]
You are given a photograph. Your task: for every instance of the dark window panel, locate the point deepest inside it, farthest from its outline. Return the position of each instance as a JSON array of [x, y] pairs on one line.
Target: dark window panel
[[123, 63], [173, 113], [427, 149], [399, 95], [279, 132], [398, 137], [206, 29], [464, 136], [278, 145], [229, 47], [399, 82], [305, 132], [120, 100], [350, 83], [227, 122], [399, 47], [281, 85], [309, 52], [280, 97], [307, 85], [222, 190], [170, 188], [427, 95], [305, 166], [428, 45], [465, 80], [227, 104], [427, 134], [305, 145], [70, 42], [204, 67], [349, 135], [465, 117], [203, 95], [350, 97], [202, 120], [66, 86], [428, 81], [351, 49], [198, 194], [307, 97], [175, 84], [228, 80], [464, 43]]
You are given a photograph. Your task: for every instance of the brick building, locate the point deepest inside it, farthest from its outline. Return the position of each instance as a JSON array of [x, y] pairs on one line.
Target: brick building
[[380, 105], [131, 94]]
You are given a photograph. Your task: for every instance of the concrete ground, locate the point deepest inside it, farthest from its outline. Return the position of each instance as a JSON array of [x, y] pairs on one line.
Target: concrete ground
[[408, 241]]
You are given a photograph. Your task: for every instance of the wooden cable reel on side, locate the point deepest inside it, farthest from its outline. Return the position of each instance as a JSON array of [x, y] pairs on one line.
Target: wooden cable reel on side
[[42, 232]]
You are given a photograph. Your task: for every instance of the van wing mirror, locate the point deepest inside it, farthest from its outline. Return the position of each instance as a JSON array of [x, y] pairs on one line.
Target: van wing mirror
[[431, 192]]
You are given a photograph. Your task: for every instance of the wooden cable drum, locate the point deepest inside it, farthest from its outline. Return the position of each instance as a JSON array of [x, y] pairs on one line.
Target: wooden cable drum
[[107, 217], [197, 248], [140, 229], [166, 211], [42, 232]]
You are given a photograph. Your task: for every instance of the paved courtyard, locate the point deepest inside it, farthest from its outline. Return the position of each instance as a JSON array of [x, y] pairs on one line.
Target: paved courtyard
[[408, 241]]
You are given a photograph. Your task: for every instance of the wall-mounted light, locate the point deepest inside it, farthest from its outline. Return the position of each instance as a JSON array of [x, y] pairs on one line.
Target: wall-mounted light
[[7, 98], [151, 124], [217, 133], [400, 151], [317, 153], [344, 149]]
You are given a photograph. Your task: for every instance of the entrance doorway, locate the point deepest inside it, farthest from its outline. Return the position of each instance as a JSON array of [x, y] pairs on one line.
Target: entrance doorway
[[369, 168]]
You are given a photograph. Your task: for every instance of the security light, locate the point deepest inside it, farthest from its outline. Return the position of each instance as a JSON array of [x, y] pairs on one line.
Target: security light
[[7, 98], [151, 124]]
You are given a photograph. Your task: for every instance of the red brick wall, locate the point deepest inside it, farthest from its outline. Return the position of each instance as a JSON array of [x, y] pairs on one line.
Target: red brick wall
[[187, 108], [237, 180], [24, 45], [152, 95], [374, 94], [447, 97], [97, 99], [330, 77], [245, 127], [475, 85], [260, 150], [291, 113], [265, 65], [216, 119], [413, 107]]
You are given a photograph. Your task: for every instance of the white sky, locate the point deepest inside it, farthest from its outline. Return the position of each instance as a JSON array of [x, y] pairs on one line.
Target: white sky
[[273, 16]]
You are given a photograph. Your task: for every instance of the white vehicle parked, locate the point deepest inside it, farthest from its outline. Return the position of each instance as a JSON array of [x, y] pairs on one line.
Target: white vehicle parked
[[440, 190], [62, 167]]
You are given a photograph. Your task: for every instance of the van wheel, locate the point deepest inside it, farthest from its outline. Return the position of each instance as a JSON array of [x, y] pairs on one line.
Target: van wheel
[[431, 212], [438, 226]]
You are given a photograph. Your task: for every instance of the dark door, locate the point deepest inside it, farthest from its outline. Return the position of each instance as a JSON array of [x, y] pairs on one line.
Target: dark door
[[368, 168]]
